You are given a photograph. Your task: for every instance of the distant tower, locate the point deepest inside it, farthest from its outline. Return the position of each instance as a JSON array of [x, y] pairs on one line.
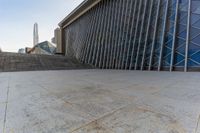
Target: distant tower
[[35, 35]]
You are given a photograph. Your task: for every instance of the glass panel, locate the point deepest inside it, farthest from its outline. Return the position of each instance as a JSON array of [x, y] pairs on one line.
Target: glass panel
[[150, 37], [194, 45], [180, 44], [159, 35]]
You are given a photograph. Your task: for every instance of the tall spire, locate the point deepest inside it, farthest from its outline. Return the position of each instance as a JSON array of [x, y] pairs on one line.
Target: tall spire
[[35, 35]]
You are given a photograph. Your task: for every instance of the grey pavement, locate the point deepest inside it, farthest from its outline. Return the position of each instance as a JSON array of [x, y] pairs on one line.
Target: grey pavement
[[99, 101]]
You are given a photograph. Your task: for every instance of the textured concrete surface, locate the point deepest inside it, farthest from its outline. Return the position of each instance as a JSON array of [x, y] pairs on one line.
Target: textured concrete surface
[[99, 101]]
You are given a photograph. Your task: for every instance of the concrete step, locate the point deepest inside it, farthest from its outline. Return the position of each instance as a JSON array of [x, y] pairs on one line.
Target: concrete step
[[27, 62]]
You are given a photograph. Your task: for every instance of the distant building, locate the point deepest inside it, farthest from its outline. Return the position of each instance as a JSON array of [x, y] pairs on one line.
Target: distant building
[[35, 34], [53, 40], [57, 40], [21, 50], [0, 50], [42, 48], [27, 49]]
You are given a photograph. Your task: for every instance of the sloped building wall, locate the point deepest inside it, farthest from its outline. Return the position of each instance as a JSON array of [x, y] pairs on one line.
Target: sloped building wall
[[138, 35]]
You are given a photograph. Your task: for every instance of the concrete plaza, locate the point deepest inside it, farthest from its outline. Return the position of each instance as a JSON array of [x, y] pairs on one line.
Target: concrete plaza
[[99, 101]]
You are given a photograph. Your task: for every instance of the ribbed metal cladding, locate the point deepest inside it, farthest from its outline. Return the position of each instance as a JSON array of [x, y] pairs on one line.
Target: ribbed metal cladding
[[137, 35]]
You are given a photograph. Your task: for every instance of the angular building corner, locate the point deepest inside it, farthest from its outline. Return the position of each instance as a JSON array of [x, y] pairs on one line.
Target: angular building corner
[[161, 35]]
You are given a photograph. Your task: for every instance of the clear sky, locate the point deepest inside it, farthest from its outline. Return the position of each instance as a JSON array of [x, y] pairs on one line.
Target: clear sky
[[18, 16]]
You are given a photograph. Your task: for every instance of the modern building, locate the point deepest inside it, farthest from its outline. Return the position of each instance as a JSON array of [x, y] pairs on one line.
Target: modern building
[[45, 48], [134, 34], [21, 51], [35, 34], [57, 40]]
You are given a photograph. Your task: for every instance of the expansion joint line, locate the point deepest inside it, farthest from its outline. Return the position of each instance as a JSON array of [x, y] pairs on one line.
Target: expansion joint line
[[100, 118], [197, 126], [6, 107]]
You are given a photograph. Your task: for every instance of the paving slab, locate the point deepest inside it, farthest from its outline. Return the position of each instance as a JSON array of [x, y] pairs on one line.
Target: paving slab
[[3, 87], [100, 101], [135, 119], [40, 111], [2, 116]]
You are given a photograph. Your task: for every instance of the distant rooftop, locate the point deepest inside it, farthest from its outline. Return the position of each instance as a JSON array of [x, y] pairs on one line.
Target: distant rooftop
[[45, 46]]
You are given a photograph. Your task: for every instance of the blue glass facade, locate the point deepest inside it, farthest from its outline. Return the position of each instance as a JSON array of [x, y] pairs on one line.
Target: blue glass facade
[[137, 35]]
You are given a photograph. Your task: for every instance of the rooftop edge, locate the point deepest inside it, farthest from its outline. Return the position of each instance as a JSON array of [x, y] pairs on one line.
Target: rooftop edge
[[80, 10]]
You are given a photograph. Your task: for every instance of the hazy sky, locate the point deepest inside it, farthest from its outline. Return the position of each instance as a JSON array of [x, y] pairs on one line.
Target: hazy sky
[[18, 16]]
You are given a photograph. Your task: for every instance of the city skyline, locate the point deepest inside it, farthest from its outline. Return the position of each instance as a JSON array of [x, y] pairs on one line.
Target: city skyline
[[20, 15]]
